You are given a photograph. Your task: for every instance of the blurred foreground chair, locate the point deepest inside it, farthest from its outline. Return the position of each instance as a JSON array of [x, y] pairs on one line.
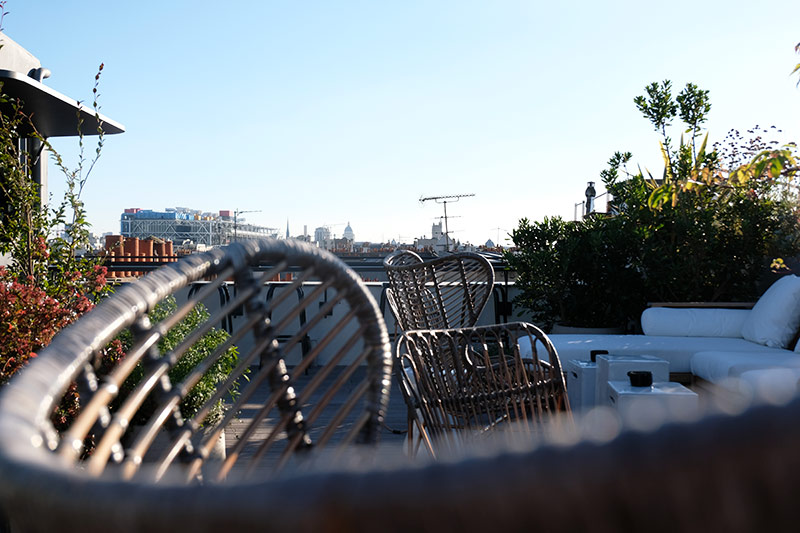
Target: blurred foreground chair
[[442, 293], [471, 383], [129, 430]]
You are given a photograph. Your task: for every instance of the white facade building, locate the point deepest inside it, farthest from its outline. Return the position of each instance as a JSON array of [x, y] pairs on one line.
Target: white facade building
[[322, 236]]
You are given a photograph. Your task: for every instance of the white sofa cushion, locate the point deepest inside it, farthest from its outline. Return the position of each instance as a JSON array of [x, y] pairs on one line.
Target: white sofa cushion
[[719, 366], [771, 385], [774, 319], [694, 322], [677, 350]]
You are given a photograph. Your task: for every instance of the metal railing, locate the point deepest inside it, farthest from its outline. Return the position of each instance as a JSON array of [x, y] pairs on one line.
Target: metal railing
[[370, 267]]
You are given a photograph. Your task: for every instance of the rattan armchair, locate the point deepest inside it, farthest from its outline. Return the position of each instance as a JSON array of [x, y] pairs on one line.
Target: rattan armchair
[[288, 403], [447, 292], [472, 382]]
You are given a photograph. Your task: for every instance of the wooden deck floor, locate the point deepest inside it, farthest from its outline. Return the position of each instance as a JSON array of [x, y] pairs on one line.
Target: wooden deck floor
[[392, 435]]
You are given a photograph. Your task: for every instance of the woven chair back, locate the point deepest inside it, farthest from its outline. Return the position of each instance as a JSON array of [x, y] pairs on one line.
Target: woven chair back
[[279, 392], [448, 292]]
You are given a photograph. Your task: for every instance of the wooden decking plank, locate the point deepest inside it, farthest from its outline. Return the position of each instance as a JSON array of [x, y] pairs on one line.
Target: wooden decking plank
[[390, 441]]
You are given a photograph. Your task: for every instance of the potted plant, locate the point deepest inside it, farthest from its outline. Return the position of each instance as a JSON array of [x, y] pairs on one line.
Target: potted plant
[[205, 346]]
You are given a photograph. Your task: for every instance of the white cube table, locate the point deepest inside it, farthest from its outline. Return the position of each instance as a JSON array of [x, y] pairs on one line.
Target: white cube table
[[667, 399], [612, 367], [581, 382]]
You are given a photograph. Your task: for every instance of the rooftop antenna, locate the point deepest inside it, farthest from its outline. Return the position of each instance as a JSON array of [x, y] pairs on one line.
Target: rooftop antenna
[[443, 200], [497, 243]]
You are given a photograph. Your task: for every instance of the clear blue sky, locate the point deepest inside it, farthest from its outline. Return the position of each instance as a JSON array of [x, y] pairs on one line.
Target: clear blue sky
[[325, 112]]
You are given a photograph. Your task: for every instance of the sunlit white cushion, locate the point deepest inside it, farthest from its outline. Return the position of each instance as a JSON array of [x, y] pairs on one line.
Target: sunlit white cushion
[[694, 322], [774, 319]]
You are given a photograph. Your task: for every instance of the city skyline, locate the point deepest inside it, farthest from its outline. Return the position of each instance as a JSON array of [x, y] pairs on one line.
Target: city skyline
[[145, 222], [325, 113]]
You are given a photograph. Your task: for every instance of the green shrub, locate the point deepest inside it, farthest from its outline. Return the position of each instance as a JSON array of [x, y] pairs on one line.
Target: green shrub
[[576, 273], [204, 347]]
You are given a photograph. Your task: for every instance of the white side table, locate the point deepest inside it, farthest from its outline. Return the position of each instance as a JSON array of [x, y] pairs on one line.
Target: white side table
[[667, 399], [581, 383], [616, 367]]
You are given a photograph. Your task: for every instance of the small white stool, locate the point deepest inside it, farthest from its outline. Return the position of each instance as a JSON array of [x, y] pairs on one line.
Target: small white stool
[[665, 400], [616, 367]]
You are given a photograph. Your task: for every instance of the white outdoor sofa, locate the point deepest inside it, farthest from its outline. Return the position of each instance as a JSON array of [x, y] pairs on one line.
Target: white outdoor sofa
[[722, 346]]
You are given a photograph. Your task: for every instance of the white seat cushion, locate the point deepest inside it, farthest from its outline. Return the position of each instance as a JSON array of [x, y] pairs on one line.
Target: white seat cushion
[[719, 366], [771, 385], [774, 319], [677, 350], [694, 322]]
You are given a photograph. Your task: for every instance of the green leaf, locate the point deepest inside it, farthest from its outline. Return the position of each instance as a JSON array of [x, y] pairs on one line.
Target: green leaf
[[660, 196], [776, 167], [701, 153]]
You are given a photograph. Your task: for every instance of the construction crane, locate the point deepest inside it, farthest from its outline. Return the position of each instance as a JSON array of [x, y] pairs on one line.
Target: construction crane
[[443, 200], [236, 218], [330, 227]]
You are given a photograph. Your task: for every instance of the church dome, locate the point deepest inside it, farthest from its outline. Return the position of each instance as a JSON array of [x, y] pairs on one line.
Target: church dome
[[348, 233]]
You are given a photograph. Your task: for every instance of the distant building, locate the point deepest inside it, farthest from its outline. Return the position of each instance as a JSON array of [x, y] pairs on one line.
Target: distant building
[[322, 236], [342, 245], [436, 231], [348, 233], [190, 226], [437, 242]]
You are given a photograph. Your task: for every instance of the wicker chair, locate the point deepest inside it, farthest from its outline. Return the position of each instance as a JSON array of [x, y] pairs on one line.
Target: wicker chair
[[336, 394], [471, 382], [448, 292]]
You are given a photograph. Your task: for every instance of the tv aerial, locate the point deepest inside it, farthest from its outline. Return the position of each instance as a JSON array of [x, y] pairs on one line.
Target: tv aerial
[[443, 200]]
